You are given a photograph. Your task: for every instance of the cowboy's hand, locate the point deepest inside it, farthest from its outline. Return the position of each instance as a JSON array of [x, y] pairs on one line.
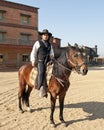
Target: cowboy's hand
[[33, 64], [50, 63], [51, 57]]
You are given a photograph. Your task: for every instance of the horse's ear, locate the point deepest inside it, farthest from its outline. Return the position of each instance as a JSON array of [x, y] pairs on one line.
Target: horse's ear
[[69, 45], [76, 45]]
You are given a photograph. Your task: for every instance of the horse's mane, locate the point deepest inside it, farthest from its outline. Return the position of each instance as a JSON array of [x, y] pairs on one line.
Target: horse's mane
[[60, 62], [58, 51]]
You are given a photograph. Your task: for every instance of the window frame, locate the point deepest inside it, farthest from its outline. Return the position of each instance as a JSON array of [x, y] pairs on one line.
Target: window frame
[[25, 58], [25, 37], [23, 17], [2, 59], [2, 36], [3, 13]]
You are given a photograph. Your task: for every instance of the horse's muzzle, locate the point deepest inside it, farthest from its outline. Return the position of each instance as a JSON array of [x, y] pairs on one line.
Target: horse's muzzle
[[84, 71]]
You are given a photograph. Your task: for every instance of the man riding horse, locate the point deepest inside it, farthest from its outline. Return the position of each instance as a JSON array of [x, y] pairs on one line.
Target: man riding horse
[[42, 52]]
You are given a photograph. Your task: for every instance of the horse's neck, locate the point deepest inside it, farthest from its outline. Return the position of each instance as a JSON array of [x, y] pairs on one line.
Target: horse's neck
[[61, 68]]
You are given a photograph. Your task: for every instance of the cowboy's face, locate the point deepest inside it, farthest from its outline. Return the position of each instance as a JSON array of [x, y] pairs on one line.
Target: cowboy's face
[[45, 36]]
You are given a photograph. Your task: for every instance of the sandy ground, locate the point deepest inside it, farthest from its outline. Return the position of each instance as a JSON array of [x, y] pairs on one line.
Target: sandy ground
[[83, 110]]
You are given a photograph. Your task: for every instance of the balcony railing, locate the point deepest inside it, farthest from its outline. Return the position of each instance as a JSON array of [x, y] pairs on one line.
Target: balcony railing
[[17, 42]]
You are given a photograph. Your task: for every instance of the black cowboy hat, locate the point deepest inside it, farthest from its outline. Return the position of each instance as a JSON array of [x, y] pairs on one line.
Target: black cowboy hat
[[45, 31]]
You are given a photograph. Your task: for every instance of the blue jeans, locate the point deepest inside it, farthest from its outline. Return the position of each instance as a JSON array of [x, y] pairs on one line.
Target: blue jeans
[[41, 76]]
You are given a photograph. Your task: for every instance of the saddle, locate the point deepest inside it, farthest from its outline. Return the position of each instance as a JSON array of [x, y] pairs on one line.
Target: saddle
[[33, 74]]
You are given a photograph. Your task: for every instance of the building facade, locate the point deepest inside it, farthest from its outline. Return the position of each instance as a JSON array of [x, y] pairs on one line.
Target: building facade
[[90, 54], [18, 32]]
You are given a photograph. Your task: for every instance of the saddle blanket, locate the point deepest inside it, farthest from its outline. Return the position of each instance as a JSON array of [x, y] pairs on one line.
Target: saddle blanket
[[33, 74]]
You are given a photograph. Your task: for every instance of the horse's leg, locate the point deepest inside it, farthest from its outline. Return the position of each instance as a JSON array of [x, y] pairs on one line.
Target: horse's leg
[[20, 106], [61, 102], [27, 98], [53, 101], [22, 86], [20, 94]]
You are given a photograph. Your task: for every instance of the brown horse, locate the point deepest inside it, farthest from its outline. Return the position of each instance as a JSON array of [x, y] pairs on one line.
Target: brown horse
[[68, 58]]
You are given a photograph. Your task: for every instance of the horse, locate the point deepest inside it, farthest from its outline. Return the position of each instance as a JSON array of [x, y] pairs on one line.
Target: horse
[[68, 58]]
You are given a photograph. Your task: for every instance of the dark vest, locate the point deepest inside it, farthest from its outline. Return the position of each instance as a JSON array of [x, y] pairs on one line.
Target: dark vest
[[44, 51]]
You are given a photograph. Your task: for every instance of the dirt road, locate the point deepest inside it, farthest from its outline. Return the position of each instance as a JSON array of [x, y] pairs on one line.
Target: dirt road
[[84, 104]]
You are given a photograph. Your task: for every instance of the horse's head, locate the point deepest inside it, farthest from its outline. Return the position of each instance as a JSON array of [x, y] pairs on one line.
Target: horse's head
[[76, 60]]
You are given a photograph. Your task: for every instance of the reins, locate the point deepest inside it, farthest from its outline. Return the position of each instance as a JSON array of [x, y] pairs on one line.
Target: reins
[[58, 79], [62, 65], [75, 65]]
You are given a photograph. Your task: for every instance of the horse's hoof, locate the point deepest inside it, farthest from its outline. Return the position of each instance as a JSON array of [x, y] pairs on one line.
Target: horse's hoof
[[21, 111], [53, 124], [29, 109], [64, 123]]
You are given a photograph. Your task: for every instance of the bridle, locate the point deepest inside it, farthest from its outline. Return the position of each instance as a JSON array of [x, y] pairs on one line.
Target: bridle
[[76, 65]]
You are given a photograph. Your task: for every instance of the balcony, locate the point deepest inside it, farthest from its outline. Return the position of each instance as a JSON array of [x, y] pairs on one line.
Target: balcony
[[17, 42]]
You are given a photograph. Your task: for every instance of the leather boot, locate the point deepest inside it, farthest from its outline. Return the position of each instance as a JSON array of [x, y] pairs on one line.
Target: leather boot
[[42, 92]]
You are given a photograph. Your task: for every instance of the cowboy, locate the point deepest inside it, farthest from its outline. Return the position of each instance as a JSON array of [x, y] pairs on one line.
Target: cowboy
[[42, 52]]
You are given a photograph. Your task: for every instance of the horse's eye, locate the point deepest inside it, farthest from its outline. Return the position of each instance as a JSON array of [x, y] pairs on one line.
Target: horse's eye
[[76, 55]]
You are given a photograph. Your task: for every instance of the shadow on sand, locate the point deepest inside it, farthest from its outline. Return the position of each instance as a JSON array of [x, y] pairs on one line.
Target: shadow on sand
[[95, 109]]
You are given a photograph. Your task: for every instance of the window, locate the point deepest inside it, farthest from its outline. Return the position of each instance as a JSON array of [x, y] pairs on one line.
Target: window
[[1, 58], [2, 36], [25, 37], [2, 15], [25, 19], [25, 58]]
